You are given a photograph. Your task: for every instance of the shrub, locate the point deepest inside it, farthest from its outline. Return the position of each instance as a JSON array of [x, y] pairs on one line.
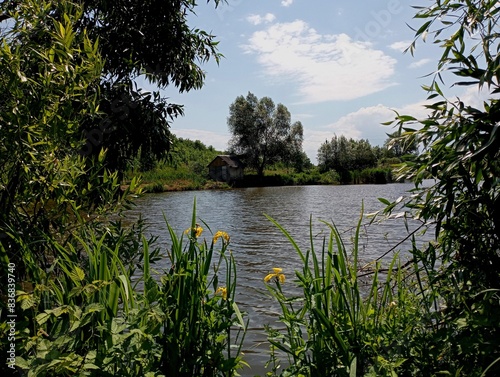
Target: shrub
[[86, 316]]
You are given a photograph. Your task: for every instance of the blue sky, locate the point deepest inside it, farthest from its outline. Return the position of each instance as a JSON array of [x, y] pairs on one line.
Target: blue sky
[[338, 66]]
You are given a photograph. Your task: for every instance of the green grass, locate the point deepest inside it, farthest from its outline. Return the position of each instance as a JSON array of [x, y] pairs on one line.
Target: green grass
[[341, 324], [167, 178]]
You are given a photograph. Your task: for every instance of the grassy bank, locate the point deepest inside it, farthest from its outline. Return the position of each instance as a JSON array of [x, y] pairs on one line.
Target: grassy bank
[[186, 168], [167, 178]]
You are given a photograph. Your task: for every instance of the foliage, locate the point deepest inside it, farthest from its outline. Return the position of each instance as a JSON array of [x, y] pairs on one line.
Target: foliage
[[83, 307], [262, 133], [197, 329], [51, 195], [186, 168], [153, 40], [132, 123], [399, 147], [342, 324], [47, 90], [193, 154], [80, 312], [81, 317], [343, 155], [460, 153], [86, 316], [372, 175]]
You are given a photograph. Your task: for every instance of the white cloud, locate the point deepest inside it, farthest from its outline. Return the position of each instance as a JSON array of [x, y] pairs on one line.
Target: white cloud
[[364, 123], [419, 63], [474, 97], [256, 19], [287, 3], [325, 67], [400, 46]]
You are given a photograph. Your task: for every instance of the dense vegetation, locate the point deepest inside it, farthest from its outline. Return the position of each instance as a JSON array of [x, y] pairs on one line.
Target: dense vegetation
[[186, 168], [262, 134], [356, 161], [461, 153], [79, 296], [68, 303]]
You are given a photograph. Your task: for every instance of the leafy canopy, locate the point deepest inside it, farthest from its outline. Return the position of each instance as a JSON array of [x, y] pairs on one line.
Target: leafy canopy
[[151, 39], [461, 155], [262, 133], [343, 155]]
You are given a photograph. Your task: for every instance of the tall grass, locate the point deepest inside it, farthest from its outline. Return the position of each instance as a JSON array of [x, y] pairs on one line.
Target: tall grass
[[201, 315], [343, 323], [85, 317]]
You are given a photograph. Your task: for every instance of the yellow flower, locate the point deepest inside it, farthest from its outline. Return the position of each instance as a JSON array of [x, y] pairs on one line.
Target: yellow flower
[[197, 230], [222, 291], [276, 274], [220, 234]]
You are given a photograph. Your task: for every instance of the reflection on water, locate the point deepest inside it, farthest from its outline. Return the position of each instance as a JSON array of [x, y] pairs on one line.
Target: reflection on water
[[258, 245]]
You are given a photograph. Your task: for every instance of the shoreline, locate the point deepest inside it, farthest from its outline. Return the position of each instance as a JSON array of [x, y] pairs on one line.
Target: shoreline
[[187, 185]]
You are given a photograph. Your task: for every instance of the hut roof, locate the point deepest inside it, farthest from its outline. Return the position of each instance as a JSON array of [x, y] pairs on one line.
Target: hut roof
[[231, 161]]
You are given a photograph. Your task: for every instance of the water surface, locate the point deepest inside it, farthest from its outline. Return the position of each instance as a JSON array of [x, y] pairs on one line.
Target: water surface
[[258, 245]]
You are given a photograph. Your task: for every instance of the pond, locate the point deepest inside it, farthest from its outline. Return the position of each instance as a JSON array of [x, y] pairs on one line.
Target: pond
[[258, 245]]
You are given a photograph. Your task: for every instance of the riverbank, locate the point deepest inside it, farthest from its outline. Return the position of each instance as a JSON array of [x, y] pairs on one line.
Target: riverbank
[[182, 179]]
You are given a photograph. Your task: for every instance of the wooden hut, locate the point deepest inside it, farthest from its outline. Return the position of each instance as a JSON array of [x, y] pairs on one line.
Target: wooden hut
[[225, 168]]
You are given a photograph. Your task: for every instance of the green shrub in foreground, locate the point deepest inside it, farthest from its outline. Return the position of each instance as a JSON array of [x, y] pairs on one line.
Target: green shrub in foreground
[[87, 318]]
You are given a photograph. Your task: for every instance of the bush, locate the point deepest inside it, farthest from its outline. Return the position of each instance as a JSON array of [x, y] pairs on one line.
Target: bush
[[87, 317], [372, 175], [331, 177]]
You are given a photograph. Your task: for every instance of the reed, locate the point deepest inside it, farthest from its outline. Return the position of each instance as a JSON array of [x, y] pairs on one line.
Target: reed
[[203, 329], [84, 316], [343, 323]]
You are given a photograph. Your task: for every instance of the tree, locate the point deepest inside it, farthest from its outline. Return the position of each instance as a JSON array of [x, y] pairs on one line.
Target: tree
[[47, 90], [343, 156], [262, 133], [135, 38], [363, 154], [461, 154], [66, 95], [155, 41]]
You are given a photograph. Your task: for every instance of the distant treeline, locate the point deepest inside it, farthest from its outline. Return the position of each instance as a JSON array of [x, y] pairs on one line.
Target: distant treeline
[[341, 161], [357, 161]]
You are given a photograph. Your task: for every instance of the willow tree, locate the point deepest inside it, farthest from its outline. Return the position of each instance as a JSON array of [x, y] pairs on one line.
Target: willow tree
[[66, 96], [153, 39], [262, 132], [460, 153]]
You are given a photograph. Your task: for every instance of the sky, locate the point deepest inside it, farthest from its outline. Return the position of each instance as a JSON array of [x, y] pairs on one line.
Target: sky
[[338, 66]]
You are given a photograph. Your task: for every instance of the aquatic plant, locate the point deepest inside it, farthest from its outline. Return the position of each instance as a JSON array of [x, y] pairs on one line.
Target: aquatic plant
[[340, 324]]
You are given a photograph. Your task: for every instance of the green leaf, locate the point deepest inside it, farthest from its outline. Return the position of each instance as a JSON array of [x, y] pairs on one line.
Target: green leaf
[[384, 201], [352, 368], [77, 275], [42, 318], [238, 314]]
